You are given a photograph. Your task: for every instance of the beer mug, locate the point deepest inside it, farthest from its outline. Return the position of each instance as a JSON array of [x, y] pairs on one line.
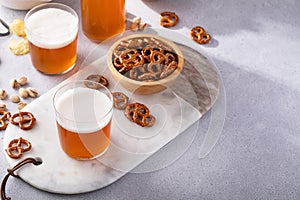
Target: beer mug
[[102, 19], [52, 31], [83, 117]]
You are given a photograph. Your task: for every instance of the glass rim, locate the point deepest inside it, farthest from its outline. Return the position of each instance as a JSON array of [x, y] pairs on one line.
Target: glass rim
[[55, 95]]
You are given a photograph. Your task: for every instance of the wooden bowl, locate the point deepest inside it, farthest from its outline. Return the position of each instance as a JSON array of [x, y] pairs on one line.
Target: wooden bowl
[[145, 87]]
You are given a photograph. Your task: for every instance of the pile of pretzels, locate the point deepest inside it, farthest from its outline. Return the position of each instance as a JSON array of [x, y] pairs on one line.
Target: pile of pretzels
[[144, 59]]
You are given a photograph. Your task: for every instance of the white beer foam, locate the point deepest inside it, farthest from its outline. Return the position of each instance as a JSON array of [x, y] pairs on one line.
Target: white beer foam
[[84, 110], [51, 28]]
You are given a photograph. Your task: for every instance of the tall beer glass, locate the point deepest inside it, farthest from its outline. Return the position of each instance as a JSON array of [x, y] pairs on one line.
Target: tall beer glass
[[52, 31], [83, 116], [102, 19]]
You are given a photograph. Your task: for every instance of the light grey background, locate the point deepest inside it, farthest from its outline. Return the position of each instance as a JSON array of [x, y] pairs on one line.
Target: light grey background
[[256, 47]]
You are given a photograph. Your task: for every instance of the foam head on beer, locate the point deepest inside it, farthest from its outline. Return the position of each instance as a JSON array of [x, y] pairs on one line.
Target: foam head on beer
[[83, 110], [51, 28]]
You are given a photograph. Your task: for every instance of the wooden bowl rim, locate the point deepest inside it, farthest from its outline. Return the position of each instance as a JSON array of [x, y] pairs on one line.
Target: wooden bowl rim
[[143, 83]]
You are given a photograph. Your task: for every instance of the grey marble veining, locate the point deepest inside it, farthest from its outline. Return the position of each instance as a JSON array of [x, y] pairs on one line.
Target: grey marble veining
[[199, 82]]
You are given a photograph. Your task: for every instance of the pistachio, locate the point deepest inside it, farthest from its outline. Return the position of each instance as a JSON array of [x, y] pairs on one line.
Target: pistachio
[[14, 98], [32, 92], [21, 105], [22, 80], [135, 24], [2, 107], [3, 94], [137, 20], [23, 93], [13, 83]]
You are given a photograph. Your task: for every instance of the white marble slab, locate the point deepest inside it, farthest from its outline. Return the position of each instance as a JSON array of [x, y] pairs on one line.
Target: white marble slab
[[60, 174]]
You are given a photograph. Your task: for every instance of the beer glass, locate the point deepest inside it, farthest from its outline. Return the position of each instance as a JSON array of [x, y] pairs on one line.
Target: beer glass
[[52, 31], [102, 19], [83, 118]]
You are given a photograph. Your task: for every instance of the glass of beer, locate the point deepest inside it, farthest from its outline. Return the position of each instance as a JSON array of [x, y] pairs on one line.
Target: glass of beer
[[102, 19], [52, 31], [83, 115]]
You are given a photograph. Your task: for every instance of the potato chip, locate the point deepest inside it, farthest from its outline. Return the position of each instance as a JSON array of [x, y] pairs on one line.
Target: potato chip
[[17, 27], [19, 47]]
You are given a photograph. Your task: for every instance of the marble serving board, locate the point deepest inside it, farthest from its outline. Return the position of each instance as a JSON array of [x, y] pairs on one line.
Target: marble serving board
[[176, 109]]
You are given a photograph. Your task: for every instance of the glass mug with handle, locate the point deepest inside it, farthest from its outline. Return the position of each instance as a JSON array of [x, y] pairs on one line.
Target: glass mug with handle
[[102, 19], [52, 31]]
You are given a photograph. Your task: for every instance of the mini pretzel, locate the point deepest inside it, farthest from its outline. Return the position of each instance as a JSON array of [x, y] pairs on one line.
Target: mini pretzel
[[128, 54], [132, 109], [131, 58], [154, 68], [199, 35], [25, 120], [169, 69], [136, 71], [169, 58], [150, 120], [17, 147], [133, 74], [4, 119], [168, 19], [124, 69], [147, 77], [96, 78], [120, 100], [154, 71], [119, 49], [118, 63], [140, 114], [146, 52], [157, 57], [141, 69]]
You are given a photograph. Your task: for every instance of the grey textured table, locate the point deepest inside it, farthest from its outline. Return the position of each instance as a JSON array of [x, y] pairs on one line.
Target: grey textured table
[[256, 47]]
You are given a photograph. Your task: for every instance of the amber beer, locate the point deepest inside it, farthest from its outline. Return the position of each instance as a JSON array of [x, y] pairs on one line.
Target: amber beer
[[52, 33], [83, 117], [102, 19], [84, 145]]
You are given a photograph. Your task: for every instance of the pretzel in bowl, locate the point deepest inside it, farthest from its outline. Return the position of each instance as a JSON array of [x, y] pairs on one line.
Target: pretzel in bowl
[[169, 58], [120, 100], [4, 119], [148, 52], [17, 147], [25, 120], [199, 35], [144, 59], [168, 19], [155, 68], [118, 63], [140, 114], [147, 77], [168, 70], [157, 57], [132, 58]]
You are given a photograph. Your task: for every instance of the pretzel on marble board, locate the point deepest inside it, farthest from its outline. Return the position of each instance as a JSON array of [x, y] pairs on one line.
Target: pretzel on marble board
[[17, 147], [25, 120]]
